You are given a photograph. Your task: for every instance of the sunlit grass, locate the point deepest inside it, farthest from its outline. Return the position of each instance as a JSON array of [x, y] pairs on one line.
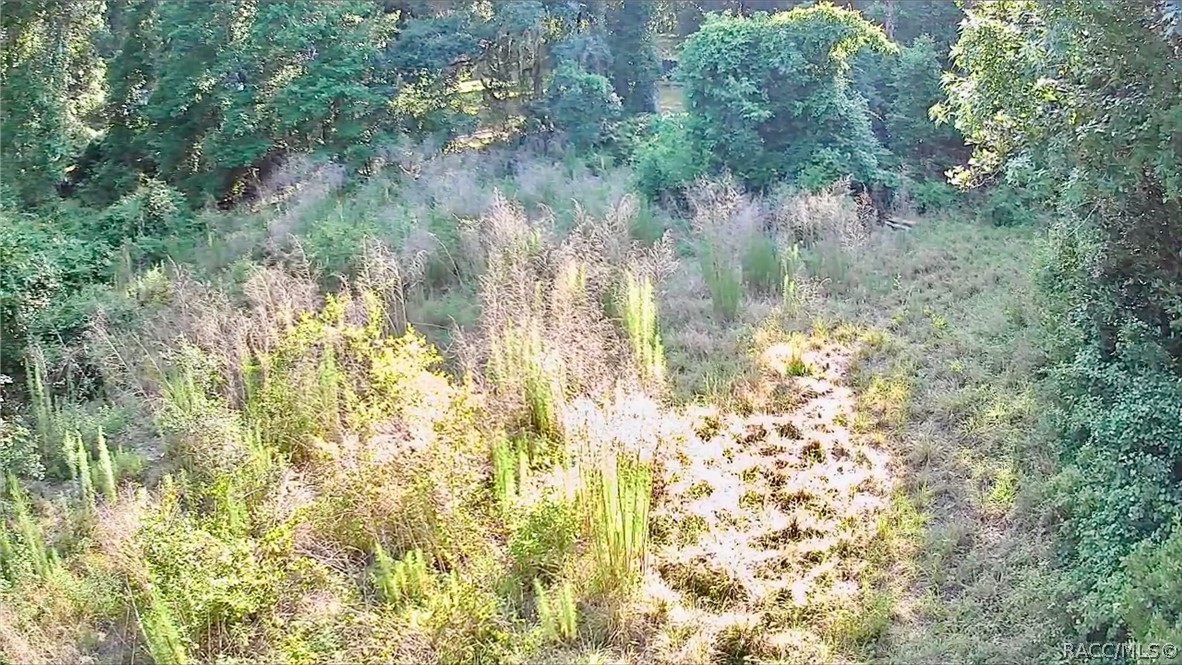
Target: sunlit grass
[[780, 457]]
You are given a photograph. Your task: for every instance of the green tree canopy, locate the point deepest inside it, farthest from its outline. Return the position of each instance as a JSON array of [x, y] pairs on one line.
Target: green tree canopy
[[1083, 100], [769, 96]]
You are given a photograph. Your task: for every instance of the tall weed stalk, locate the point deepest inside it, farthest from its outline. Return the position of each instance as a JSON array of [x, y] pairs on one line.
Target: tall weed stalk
[[640, 322], [106, 469], [620, 491], [26, 526], [45, 412], [510, 467], [162, 636]]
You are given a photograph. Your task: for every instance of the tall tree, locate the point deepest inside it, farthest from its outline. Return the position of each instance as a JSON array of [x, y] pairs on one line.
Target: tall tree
[[634, 60], [51, 75], [769, 96]]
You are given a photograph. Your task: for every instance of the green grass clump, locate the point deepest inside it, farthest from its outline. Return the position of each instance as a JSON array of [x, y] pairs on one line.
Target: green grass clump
[[640, 322], [405, 580], [646, 227], [620, 492], [794, 364], [520, 364], [722, 280], [558, 616], [763, 270], [510, 468]]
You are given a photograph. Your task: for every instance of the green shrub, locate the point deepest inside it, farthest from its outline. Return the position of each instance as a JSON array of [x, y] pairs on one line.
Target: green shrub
[[629, 134], [541, 541], [913, 87], [1153, 594], [763, 271], [1116, 490], [147, 218], [1007, 206], [20, 455], [932, 195], [40, 264], [162, 636], [211, 574], [581, 105], [464, 621], [668, 160], [333, 242]]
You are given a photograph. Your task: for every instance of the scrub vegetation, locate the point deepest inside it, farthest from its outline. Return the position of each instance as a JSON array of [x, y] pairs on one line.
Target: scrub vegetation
[[702, 331]]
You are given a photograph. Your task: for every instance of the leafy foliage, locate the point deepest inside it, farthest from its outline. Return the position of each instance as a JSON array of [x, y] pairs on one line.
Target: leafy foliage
[[41, 264], [769, 97], [1038, 92], [50, 78], [668, 159], [581, 105]]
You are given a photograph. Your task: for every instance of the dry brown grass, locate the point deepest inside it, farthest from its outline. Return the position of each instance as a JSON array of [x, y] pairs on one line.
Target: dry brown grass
[[537, 287], [808, 218], [292, 191]]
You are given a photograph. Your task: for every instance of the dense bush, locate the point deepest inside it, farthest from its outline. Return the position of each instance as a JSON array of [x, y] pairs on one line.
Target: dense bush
[[581, 105], [55, 262], [668, 159], [1036, 94], [769, 96], [40, 265]]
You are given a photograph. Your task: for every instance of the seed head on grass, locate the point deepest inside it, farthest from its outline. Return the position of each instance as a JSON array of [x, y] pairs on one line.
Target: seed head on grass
[[640, 322]]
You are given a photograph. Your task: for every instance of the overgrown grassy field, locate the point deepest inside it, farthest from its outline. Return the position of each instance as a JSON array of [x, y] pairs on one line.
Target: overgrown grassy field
[[486, 408]]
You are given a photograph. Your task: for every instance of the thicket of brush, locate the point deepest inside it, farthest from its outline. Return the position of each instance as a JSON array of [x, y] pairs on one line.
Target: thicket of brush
[[281, 464]]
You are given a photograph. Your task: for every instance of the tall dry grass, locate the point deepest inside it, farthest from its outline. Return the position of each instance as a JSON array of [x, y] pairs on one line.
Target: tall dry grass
[[544, 334]]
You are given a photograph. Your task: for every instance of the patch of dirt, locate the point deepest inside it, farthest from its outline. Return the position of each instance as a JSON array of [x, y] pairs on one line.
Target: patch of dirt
[[788, 499]]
